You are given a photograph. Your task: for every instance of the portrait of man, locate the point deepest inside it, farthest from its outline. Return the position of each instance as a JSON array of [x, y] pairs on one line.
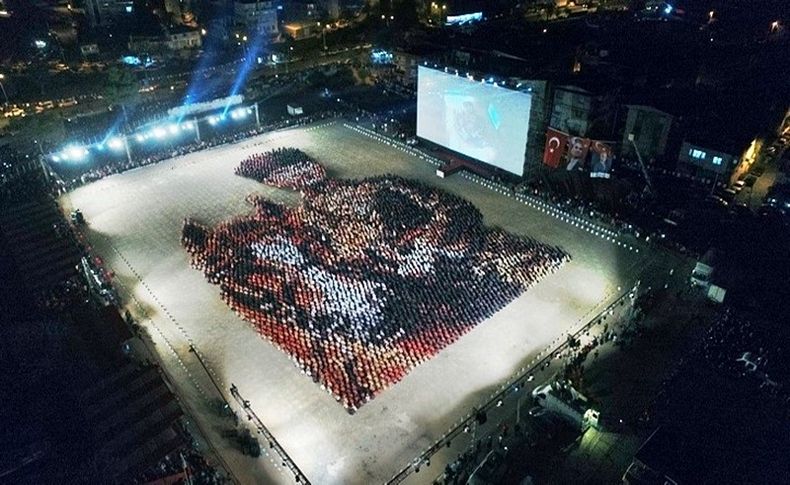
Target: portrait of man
[[577, 152], [600, 160]]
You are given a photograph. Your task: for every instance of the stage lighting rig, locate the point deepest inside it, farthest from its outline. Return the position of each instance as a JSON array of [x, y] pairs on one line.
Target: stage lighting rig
[[116, 143], [74, 152]]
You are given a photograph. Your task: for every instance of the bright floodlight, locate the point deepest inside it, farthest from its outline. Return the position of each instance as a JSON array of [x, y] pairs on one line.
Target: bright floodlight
[[116, 143], [74, 152], [55, 158], [187, 125], [139, 137], [159, 132], [213, 120], [173, 128], [239, 113]]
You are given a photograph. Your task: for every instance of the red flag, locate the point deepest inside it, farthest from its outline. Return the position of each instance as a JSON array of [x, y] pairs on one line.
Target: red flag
[[555, 147]]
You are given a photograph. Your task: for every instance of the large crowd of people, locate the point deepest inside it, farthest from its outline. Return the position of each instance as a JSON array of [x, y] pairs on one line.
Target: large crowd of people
[[283, 167], [366, 278]]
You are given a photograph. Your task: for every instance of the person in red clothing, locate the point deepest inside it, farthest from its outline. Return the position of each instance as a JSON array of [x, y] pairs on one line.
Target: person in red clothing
[[365, 279]]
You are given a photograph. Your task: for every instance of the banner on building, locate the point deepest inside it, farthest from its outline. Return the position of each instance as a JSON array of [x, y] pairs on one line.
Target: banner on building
[[601, 160], [578, 148], [578, 154], [554, 151]]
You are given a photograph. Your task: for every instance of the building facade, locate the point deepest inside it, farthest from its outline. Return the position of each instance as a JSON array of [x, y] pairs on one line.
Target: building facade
[[301, 30], [256, 16], [332, 8], [702, 161], [572, 110], [181, 39], [540, 110], [650, 128], [106, 12], [178, 39]]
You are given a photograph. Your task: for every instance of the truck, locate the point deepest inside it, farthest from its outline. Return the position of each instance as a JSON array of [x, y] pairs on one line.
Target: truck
[[561, 398], [702, 274]]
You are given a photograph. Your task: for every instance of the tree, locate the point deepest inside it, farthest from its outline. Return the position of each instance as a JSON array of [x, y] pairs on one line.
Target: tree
[[121, 85], [121, 88], [45, 127], [407, 13]]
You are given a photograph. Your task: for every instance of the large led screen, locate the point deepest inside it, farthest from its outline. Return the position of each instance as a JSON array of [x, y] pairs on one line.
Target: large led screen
[[480, 120]]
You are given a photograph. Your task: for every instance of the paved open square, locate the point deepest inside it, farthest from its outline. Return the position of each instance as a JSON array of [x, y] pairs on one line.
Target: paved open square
[[135, 222]]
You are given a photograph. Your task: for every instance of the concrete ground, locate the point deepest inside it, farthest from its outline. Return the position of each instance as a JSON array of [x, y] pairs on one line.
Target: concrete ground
[[134, 223]]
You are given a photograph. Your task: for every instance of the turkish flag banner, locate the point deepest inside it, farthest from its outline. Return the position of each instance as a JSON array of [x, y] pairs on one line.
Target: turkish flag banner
[[555, 147]]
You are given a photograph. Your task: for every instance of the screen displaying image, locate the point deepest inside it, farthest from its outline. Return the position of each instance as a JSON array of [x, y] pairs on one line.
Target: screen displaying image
[[480, 120]]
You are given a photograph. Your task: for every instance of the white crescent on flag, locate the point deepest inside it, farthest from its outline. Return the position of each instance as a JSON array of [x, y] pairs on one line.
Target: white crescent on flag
[[552, 140]]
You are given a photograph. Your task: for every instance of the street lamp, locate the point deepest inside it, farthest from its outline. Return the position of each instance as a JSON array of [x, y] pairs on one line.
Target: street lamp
[[2, 76]]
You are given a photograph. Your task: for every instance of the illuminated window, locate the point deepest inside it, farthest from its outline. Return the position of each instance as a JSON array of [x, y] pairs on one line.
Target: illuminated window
[[128, 9], [698, 154], [717, 160]]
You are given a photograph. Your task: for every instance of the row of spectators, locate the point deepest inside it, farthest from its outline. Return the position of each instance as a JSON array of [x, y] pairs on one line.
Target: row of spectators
[[92, 172]]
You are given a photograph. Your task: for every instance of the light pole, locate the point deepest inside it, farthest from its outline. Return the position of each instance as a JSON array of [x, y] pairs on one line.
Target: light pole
[[197, 128], [126, 147], [323, 32], [2, 76], [649, 185]]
